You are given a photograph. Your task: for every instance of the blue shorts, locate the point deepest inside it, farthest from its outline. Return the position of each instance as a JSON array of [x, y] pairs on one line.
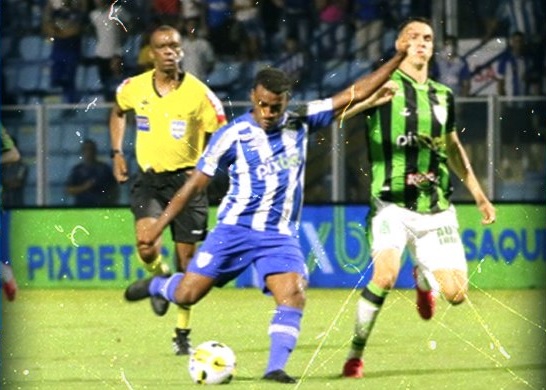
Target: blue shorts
[[228, 250]]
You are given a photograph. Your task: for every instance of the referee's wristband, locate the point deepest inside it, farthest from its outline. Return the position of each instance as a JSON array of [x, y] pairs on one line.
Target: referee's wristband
[[113, 152]]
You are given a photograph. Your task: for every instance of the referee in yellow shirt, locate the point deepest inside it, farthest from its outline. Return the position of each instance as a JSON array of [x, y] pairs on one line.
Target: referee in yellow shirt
[[175, 113]]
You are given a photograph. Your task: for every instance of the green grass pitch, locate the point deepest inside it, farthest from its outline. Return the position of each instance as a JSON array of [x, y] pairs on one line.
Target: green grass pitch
[[92, 339]]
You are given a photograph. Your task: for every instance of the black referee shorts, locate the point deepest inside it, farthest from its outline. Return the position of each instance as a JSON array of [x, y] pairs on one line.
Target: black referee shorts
[[151, 193]]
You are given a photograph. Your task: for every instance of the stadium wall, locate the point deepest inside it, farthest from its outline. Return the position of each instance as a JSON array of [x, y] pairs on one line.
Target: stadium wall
[[94, 248]]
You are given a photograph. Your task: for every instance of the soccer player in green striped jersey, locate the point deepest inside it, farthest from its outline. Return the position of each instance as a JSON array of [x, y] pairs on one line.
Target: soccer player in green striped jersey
[[413, 143]]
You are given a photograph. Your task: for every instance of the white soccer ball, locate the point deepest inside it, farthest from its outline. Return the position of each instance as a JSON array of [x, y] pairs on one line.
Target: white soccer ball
[[212, 363]]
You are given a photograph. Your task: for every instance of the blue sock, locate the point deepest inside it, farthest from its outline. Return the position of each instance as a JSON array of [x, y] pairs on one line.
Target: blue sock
[[284, 331], [165, 286]]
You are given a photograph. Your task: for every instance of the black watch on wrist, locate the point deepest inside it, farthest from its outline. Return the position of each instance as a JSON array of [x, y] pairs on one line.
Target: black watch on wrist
[[113, 152]]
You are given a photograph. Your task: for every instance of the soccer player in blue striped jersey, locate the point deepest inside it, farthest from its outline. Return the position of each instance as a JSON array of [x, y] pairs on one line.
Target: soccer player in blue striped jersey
[[264, 152], [412, 141]]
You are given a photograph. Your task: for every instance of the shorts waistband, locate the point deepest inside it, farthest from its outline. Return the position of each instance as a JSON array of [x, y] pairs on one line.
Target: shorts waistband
[[150, 171]]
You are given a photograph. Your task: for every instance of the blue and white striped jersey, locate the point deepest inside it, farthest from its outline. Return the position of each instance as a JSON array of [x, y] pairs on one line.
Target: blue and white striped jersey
[[266, 169]]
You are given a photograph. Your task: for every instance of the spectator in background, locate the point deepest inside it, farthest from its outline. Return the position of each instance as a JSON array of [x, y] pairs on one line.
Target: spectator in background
[[191, 10], [293, 62], [516, 76], [14, 178], [222, 31], [91, 182], [516, 73], [198, 54], [332, 17], [247, 16], [167, 12], [63, 22], [271, 11], [396, 13], [369, 25], [452, 69], [110, 38], [525, 16], [144, 59], [297, 19], [486, 15]]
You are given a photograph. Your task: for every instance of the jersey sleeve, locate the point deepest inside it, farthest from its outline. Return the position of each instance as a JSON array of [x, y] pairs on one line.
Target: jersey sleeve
[[220, 151], [124, 95], [318, 113], [212, 112]]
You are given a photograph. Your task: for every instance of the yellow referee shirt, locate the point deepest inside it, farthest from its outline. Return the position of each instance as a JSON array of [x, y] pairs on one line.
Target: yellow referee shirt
[[170, 129]]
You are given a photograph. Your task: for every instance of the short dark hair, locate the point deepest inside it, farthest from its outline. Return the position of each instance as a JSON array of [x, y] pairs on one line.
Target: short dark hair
[[273, 79], [413, 19], [162, 28]]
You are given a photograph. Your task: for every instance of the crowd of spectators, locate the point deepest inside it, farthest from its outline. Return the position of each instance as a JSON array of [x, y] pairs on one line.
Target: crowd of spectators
[[216, 30], [292, 34]]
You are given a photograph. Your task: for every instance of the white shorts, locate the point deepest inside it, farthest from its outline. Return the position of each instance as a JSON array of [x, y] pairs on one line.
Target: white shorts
[[432, 239]]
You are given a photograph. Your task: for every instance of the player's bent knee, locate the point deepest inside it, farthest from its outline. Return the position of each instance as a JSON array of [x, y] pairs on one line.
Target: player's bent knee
[[185, 297], [148, 254]]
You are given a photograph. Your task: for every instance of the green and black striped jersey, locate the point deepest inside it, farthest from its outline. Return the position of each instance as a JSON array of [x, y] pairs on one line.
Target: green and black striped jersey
[[407, 145]]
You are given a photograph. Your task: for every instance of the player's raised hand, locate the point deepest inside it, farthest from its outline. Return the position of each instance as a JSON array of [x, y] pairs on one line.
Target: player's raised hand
[[402, 44], [383, 95]]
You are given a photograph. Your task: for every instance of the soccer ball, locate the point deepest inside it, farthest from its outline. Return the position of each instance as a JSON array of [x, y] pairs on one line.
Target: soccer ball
[[212, 363]]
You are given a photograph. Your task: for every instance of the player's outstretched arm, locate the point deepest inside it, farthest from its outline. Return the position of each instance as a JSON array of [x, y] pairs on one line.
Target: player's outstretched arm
[[195, 184], [366, 85], [460, 164], [383, 95]]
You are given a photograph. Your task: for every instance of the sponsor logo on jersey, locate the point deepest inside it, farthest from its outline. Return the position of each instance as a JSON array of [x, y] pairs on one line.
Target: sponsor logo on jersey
[[142, 123], [277, 164], [420, 140], [422, 180]]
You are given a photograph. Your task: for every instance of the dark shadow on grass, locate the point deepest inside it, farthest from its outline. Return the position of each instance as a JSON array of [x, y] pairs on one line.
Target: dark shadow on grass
[[430, 371]]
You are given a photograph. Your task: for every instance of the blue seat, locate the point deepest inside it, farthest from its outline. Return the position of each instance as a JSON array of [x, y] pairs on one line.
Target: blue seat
[[26, 139], [6, 46], [224, 75], [29, 77], [92, 80], [34, 48], [89, 44], [335, 77], [10, 74], [87, 79], [358, 68]]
